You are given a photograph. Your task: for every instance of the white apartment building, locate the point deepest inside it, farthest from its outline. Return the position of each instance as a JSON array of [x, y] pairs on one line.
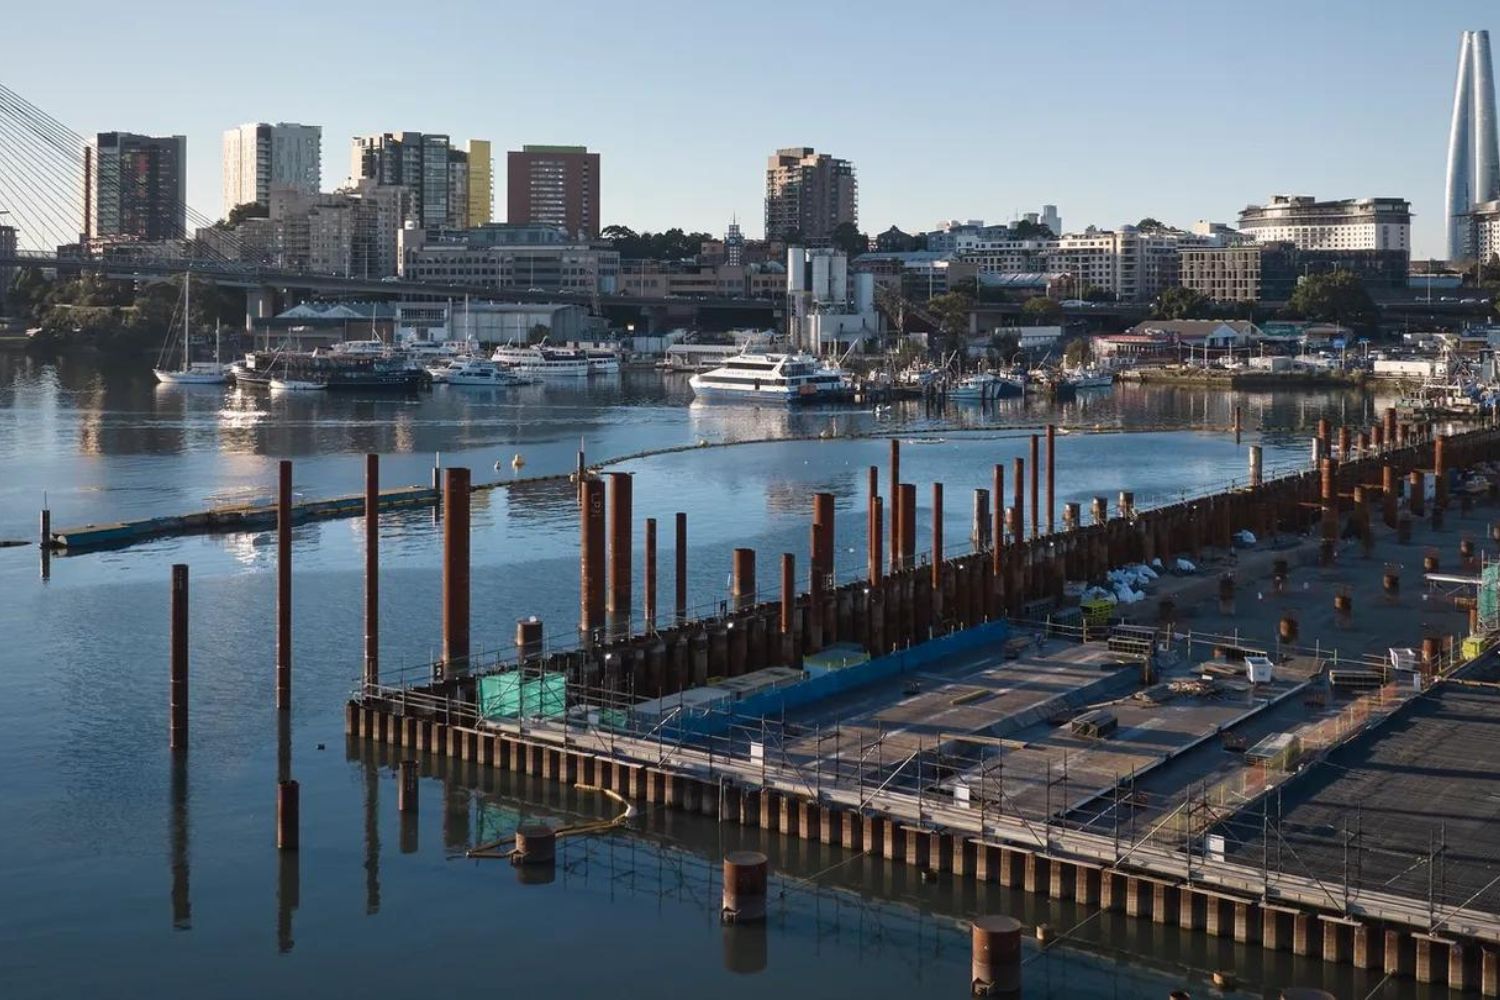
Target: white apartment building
[[1482, 238], [1350, 224], [1130, 265], [259, 157]]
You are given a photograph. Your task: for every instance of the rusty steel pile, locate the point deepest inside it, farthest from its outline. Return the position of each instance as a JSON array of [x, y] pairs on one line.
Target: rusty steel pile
[[901, 603]]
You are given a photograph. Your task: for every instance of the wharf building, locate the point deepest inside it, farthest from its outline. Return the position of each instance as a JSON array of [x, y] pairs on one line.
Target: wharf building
[[553, 186], [809, 195], [535, 258], [827, 307], [259, 157], [684, 279], [135, 187], [1473, 175]]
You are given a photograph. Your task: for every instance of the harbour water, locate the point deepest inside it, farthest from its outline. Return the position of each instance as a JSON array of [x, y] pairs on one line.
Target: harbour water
[[127, 876]]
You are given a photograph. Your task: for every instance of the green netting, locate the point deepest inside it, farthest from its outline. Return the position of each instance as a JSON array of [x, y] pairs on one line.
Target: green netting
[[1489, 597], [510, 696]]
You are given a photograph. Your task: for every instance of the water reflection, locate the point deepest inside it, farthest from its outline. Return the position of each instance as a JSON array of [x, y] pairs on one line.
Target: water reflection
[[844, 922], [746, 948], [178, 829], [372, 839], [288, 862]]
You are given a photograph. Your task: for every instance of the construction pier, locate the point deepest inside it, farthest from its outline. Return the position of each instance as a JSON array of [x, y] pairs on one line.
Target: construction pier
[[1278, 731]]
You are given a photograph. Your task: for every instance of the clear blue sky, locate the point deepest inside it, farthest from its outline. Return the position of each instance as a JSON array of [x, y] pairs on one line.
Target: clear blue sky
[[1179, 109]]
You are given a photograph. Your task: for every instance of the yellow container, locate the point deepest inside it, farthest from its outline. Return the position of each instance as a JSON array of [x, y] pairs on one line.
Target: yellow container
[[1473, 646]]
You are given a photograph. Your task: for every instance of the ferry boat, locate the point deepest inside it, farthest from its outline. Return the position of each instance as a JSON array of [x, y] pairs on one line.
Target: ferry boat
[[603, 362], [548, 362], [477, 371], [769, 377]]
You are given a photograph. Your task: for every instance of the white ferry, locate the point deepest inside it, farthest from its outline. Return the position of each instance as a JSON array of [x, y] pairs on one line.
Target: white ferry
[[477, 371], [548, 362], [603, 362], [769, 377]]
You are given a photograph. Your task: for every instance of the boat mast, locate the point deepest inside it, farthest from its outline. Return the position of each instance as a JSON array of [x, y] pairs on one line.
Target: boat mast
[[187, 306]]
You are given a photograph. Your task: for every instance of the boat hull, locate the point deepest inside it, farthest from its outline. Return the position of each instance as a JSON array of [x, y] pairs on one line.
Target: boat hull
[[188, 378]]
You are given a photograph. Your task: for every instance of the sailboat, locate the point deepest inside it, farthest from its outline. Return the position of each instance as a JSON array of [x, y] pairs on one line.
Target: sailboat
[[191, 372]]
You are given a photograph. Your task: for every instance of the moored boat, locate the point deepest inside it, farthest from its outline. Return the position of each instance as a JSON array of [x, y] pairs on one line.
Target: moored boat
[[770, 378]]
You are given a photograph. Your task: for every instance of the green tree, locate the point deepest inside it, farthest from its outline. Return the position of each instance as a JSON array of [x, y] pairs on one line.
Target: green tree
[[952, 311], [1079, 351], [28, 290], [1335, 297], [1178, 302], [1003, 347], [239, 213], [1093, 293], [1150, 225], [847, 237], [1041, 311], [1025, 229]]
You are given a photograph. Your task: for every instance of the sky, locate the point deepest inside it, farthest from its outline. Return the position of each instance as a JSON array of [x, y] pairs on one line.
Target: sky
[[1113, 111]]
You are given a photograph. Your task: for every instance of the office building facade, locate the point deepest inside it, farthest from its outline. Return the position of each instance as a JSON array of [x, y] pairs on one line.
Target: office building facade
[[808, 195], [259, 157], [135, 187], [554, 186]]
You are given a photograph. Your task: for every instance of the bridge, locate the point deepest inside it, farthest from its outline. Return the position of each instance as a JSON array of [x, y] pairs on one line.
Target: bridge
[[43, 175]]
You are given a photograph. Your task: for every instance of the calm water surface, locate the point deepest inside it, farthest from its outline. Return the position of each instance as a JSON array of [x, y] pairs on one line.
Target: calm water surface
[[125, 876]]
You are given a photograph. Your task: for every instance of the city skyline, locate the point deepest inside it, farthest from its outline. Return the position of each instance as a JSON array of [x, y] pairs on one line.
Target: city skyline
[[987, 150]]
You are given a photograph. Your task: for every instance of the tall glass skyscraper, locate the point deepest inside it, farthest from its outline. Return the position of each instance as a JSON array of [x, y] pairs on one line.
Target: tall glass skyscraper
[[1473, 149]]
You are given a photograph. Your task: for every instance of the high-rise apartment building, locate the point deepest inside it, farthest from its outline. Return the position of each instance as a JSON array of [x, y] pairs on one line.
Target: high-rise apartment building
[[1350, 224], [135, 186], [259, 157], [436, 175], [1473, 149], [481, 184], [808, 194], [555, 186]]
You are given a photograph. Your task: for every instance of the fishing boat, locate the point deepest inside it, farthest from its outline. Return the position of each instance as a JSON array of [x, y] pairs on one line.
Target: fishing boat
[[191, 372], [982, 386], [770, 378], [1091, 378]]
